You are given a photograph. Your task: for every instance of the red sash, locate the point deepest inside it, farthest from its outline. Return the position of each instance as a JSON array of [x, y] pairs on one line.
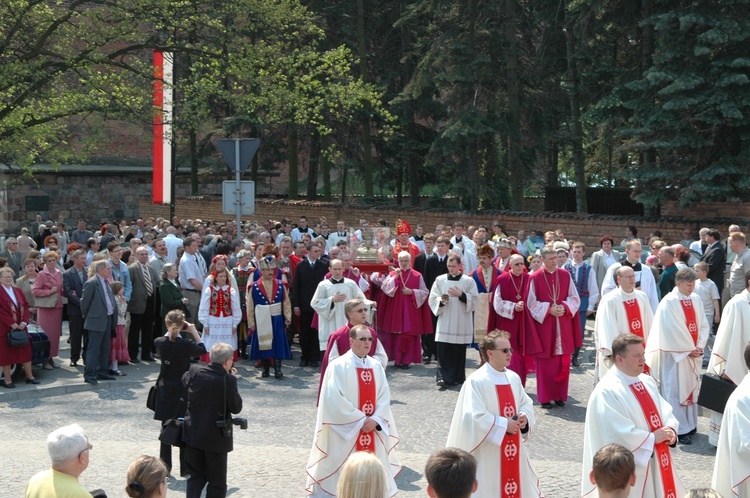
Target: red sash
[[510, 447], [635, 323], [664, 458], [690, 320], [367, 398]]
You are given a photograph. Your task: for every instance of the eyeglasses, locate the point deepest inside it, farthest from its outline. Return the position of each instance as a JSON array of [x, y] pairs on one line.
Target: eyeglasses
[[504, 350], [363, 339], [89, 447], [360, 310]]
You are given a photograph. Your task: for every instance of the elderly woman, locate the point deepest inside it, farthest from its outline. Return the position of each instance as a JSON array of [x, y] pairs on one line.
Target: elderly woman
[[170, 294], [175, 353], [14, 315], [25, 282], [220, 312], [47, 290]]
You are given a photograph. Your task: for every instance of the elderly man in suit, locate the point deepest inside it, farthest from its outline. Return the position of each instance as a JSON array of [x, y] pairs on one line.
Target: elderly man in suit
[[73, 280], [602, 259], [142, 305], [99, 309], [12, 255]]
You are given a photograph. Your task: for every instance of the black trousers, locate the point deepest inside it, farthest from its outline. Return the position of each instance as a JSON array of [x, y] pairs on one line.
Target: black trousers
[[204, 468], [140, 331], [165, 453], [308, 337], [451, 362], [157, 322], [77, 334], [428, 341]]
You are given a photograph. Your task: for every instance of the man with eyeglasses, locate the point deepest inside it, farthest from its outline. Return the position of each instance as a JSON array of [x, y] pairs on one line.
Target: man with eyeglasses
[[12, 255], [69, 449], [616, 413], [354, 414], [492, 413]]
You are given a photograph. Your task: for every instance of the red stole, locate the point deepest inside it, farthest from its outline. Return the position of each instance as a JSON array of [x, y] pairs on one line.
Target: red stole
[[367, 399], [510, 447], [690, 320], [664, 458], [635, 322]]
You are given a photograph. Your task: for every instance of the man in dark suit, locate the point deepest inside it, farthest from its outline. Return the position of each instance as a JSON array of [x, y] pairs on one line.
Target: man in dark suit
[[420, 261], [436, 265], [73, 280], [99, 309], [142, 305], [309, 273], [715, 256], [212, 397], [12, 255]]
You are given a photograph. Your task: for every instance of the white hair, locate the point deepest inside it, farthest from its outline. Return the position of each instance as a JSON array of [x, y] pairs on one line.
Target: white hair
[[66, 443], [404, 254]]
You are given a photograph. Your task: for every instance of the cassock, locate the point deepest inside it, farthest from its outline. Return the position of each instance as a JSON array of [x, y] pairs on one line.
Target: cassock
[[732, 465], [503, 316], [558, 336], [619, 312], [727, 356], [679, 328], [615, 414], [407, 318], [486, 280], [331, 315], [644, 281], [352, 388], [479, 424]]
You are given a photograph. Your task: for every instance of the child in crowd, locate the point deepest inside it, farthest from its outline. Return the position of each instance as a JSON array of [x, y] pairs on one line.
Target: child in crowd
[[709, 294], [118, 351]]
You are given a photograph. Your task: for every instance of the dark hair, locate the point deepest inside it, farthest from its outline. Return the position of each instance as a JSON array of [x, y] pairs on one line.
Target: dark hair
[[714, 233], [621, 343], [613, 467], [633, 230], [451, 473], [112, 246], [488, 342], [605, 239]]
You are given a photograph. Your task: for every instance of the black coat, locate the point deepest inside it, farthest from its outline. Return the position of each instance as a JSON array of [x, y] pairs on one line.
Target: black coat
[[206, 406], [306, 282], [175, 361], [716, 259], [434, 268]]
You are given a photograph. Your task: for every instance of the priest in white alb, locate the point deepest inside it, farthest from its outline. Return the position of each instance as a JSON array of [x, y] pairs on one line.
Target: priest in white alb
[[492, 415], [626, 310], [727, 357], [329, 298], [644, 279], [625, 408], [674, 350], [732, 465], [354, 414]]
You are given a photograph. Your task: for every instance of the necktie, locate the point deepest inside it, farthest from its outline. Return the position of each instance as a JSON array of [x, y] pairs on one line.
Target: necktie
[[147, 279], [201, 264], [110, 308]]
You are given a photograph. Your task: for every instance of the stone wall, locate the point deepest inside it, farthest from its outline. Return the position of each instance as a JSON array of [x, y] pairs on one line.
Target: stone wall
[[708, 210], [585, 227]]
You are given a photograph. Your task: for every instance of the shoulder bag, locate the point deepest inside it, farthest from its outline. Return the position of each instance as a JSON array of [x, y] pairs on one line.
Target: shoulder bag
[[18, 338], [171, 431]]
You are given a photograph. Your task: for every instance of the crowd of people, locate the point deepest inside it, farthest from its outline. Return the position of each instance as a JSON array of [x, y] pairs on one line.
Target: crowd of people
[[360, 297]]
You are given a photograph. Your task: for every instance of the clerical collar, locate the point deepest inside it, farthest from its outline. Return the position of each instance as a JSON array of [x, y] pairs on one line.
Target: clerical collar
[[324, 236], [626, 292], [303, 230], [334, 281], [629, 379], [418, 237], [452, 278], [459, 240], [635, 266]]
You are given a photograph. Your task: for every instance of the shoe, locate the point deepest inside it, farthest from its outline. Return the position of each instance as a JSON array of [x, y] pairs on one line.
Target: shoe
[[547, 405], [266, 368], [53, 364], [692, 432], [148, 358], [685, 439], [106, 377], [118, 373], [277, 370], [74, 363], [93, 382], [32, 381], [47, 366], [441, 384], [304, 363], [315, 364], [135, 360], [426, 360], [576, 362], [9, 385], [560, 403]]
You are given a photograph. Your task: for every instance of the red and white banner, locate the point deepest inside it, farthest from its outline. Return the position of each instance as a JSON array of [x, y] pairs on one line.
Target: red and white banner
[[162, 179]]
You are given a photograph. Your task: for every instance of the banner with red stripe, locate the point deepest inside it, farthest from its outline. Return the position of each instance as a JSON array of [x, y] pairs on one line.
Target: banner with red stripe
[[162, 128]]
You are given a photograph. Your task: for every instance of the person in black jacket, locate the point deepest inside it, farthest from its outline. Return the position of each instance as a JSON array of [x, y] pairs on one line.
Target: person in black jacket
[[175, 353], [309, 273], [207, 430]]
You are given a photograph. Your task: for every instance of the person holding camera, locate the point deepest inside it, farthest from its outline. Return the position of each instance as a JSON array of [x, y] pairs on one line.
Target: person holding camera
[[207, 430], [175, 353]]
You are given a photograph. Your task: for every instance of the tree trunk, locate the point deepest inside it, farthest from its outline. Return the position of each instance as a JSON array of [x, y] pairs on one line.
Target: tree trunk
[[344, 171], [312, 170], [515, 167], [648, 157], [579, 165], [325, 169], [365, 121], [192, 136], [293, 163]]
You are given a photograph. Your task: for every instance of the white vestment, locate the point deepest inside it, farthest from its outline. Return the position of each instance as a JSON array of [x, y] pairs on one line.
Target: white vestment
[[331, 316], [645, 277], [612, 320], [219, 327], [614, 415], [727, 356], [455, 324], [479, 428], [732, 465], [339, 423], [667, 355]]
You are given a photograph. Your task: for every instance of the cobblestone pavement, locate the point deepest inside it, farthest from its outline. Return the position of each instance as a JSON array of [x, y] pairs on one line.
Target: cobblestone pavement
[[269, 458]]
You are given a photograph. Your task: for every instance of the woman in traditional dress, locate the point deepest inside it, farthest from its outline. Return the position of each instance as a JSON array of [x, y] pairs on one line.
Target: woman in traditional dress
[[219, 312], [242, 274]]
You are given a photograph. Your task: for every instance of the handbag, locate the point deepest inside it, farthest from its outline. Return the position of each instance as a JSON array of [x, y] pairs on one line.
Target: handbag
[[17, 338], [171, 432], [715, 392], [47, 301], [151, 398]]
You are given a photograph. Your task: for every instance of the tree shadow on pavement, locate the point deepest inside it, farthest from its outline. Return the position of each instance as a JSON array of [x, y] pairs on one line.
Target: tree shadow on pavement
[[406, 480]]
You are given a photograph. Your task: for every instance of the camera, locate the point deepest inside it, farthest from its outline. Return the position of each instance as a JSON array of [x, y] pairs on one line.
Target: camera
[[226, 425], [242, 422]]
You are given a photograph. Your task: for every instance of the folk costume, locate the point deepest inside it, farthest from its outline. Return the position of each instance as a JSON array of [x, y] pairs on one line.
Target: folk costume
[[479, 426], [242, 277], [485, 280], [219, 311], [353, 389]]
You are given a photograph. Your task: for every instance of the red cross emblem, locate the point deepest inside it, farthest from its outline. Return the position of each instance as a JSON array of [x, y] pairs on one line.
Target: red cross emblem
[[368, 408], [365, 440], [664, 460], [511, 488], [693, 327], [509, 410], [638, 386], [635, 324], [511, 450], [655, 420], [688, 303], [366, 376]]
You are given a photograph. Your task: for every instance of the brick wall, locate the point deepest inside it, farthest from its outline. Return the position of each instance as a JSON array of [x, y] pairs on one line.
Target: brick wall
[[708, 210], [585, 227]]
